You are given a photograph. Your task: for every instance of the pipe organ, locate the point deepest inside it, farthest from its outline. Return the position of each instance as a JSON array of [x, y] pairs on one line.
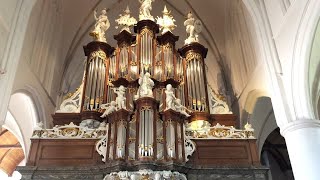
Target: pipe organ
[[147, 104], [149, 131]]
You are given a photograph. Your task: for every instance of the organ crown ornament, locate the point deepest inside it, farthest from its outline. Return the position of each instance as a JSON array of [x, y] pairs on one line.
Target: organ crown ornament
[[101, 26], [166, 22], [125, 21]]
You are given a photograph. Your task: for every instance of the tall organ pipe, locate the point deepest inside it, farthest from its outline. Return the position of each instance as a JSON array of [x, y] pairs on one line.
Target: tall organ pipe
[[98, 54]]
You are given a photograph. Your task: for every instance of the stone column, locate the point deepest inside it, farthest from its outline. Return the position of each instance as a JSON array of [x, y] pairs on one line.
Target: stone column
[[303, 143]]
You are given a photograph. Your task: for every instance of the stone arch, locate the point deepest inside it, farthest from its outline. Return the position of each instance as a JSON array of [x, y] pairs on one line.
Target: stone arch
[[314, 72], [260, 114], [266, 51], [12, 54], [274, 154], [303, 100], [24, 111]]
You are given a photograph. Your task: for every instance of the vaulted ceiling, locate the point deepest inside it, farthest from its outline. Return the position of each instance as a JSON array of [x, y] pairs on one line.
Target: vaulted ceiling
[[11, 153]]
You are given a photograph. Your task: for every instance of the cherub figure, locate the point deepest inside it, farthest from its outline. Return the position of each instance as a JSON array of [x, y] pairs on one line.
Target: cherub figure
[[144, 11], [109, 108], [101, 26], [180, 108], [193, 28], [120, 99], [170, 97], [146, 85]]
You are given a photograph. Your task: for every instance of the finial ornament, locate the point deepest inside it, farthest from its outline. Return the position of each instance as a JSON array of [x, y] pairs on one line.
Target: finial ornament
[[101, 26], [125, 21], [166, 22], [144, 11], [193, 28]]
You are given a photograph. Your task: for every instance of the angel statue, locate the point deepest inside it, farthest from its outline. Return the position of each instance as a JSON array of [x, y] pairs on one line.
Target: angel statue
[[193, 28], [170, 97], [180, 108], [120, 99], [144, 11], [109, 108], [146, 85], [101, 26], [126, 21]]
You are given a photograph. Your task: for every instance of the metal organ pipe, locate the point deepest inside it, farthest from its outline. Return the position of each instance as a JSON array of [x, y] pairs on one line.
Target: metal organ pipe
[[203, 92]]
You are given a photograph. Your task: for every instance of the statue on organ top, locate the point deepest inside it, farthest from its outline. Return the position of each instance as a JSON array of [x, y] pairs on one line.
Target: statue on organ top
[[101, 26], [193, 28], [144, 11], [146, 85]]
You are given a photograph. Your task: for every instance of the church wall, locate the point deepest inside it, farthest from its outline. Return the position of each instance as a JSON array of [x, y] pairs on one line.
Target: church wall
[[40, 63], [314, 72], [246, 71], [7, 15], [14, 18]]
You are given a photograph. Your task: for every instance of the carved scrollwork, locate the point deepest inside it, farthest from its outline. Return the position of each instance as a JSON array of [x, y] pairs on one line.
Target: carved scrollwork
[[71, 131], [145, 174], [221, 132], [189, 147], [193, 55], [72, 103], [101, 146], [100, 54]]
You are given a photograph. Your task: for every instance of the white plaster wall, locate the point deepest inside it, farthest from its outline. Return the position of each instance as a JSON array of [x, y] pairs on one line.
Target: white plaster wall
[[247, 71], [7, 12], [40, 65], [314, 72], [293, 34], [14, 18]]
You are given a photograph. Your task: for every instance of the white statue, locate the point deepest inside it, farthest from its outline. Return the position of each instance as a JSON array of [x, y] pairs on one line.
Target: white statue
[[39, 126], [101, 26], [146, 85], [193, 28], [170, 97], [144, 11], [120, 99], [166, 22], [90, 123], [126, 21], [180, 108], [109, 108], [157, 176], [248, 127], [174, 103]]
